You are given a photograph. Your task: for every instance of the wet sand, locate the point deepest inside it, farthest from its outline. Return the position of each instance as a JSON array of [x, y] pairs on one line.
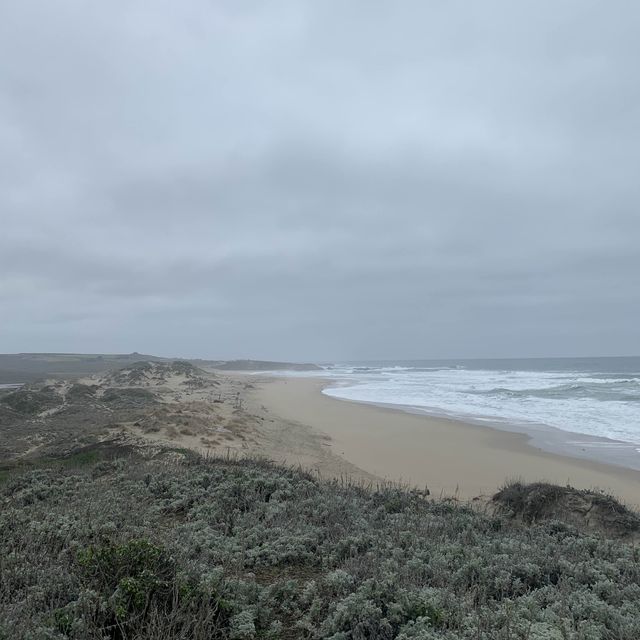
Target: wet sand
[[448, 456]]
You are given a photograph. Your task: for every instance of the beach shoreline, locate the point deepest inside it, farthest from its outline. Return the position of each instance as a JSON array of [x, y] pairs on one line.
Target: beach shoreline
[[448, 456], [570, 444]]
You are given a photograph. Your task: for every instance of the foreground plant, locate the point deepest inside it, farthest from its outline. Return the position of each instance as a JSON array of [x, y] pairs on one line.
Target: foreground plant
[[129, 549]]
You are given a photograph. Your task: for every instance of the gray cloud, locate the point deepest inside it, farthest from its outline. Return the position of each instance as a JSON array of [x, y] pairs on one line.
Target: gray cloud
[[320, 180]]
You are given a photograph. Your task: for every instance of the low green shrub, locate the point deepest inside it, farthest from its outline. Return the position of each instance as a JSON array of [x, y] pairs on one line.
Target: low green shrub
[[244, 549]]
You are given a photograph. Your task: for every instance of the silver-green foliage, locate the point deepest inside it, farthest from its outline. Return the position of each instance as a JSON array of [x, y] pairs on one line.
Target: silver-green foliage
[[222, 549]]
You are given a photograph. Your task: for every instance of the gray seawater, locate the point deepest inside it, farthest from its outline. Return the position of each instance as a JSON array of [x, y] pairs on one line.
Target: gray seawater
[[598, 398]]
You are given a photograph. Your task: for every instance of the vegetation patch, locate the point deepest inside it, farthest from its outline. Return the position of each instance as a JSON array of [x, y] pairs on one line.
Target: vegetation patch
[[27, 401], [244, 549], [182, 367], [4, 475], [133, 374], [78, 392], [128, 397], [544, 501]]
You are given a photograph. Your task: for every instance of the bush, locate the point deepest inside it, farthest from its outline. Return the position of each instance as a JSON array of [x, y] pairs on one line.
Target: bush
[[245, 549], [29, 401]]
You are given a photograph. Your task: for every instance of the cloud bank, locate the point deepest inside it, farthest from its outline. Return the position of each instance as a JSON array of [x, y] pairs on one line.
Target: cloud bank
[[320, 180]]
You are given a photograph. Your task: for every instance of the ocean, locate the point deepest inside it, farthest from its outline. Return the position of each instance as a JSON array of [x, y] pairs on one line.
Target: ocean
[[594, 402]]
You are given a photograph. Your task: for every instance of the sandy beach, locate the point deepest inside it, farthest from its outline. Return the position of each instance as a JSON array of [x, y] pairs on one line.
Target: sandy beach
[[289, 420], [448, 456]]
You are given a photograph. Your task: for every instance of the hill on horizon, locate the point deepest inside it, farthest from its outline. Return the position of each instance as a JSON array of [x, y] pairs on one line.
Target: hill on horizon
[[27, 367]]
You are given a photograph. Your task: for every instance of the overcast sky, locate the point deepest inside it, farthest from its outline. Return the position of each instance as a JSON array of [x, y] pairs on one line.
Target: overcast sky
[[321, 180]]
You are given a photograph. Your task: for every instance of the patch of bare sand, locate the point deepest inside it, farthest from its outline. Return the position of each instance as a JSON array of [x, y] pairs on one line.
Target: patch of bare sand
[[450, 457], [221, 416]]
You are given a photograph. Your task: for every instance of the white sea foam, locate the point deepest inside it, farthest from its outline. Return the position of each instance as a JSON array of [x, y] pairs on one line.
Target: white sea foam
[[588, 402]]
